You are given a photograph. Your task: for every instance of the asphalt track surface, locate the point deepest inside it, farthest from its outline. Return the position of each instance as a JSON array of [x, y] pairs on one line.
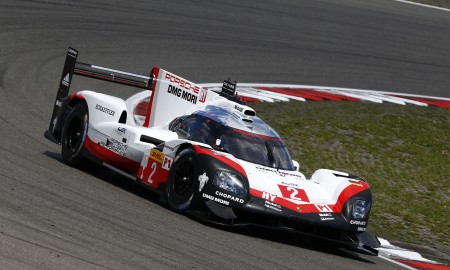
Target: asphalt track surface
[[56, 217]]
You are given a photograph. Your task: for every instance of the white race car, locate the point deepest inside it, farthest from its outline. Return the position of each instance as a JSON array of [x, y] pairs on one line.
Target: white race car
[[206, 154]]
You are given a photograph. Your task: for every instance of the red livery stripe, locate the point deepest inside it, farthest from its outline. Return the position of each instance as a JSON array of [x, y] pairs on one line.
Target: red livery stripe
[[229, 162], [111, 157], [155, 73]]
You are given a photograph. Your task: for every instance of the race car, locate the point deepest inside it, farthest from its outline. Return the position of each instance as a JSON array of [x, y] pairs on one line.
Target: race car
[[206, 153]]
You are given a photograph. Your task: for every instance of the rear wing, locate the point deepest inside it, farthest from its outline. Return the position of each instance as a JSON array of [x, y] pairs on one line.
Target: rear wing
[[171, 94], [71, 68]]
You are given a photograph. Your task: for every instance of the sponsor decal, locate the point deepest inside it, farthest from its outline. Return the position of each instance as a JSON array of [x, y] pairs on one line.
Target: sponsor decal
[[238, 108], [58, 103], [212, 198], [323, 208], [202, 179], [167, 163], [361, 229], [293, 193], [186, 85], [121, 131], [169, 148], [229, 197], [182, 94], [66, 80], [203, 94], [268, 196], [228, 87], [156, 155], [273, 206], [104, 109], [290, 184], [280, 173], [115, 146], [326, 216], [264, 169], [358, 222], [72, 52]]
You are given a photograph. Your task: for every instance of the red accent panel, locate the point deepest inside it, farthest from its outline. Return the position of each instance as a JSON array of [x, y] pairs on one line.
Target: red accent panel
[[229, 162], [153, 173], [155, 73], [429, 101], [264, 137], [424, 265], [311, 208], [110, 157], [75, 95], [293, 193], [347, 193], [141, 108]]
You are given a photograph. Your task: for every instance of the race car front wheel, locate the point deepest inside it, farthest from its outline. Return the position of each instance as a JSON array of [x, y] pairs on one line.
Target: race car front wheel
[[74, 134], [182, 182]]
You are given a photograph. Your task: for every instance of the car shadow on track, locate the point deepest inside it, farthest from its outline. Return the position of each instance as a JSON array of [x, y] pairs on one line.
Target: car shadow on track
[[294, 239], [271, 234], [110, 177]]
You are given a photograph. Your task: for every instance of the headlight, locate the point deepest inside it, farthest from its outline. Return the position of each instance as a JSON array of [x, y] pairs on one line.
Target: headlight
[[230, 182], [360, 208]]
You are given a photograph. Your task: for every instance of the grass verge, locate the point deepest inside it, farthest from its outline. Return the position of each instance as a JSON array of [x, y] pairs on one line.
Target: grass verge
[[402, 151]]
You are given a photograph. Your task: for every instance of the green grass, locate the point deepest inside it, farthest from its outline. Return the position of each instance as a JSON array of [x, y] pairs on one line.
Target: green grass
[[438, 3], [402, 151]]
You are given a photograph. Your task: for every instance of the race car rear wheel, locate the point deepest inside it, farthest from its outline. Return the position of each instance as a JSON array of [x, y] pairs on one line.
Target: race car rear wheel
[[74, 134], [182, 181]]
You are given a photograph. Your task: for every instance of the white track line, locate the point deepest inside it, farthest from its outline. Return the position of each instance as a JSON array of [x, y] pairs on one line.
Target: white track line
[[422, 5]]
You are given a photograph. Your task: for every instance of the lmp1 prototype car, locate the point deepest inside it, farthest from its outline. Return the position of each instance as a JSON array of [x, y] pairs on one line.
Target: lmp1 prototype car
[[206, 154]]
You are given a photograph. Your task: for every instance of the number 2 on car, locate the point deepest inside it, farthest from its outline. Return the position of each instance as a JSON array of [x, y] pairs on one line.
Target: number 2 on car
[[293, 193], [156, 169]]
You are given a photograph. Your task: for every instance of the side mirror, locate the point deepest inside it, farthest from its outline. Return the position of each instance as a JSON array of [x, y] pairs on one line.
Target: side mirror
[[296, 165]]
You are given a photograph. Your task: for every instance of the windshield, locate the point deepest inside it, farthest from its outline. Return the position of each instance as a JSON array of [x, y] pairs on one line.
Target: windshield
[[260, 149], [256, 148]]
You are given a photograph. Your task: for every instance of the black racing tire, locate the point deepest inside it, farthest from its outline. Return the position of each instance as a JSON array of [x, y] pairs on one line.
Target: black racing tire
[[74, 134], [182, 182]]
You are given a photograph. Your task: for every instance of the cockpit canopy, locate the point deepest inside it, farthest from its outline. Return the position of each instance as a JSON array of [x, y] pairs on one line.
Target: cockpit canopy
[[246, 138]]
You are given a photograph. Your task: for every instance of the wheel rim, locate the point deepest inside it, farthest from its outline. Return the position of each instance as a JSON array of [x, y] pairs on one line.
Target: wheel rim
[[74, 135], [183, 179]]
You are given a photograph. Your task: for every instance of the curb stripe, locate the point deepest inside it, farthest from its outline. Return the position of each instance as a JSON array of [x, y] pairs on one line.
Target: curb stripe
[[397, 263], [285, 92]]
